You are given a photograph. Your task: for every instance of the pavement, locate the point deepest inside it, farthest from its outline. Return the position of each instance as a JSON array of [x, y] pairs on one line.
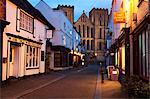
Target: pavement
[[77, 83]]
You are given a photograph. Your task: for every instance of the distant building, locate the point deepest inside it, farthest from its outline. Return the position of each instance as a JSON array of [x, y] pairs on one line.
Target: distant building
[[68, 10], [99, 18], [86, 28], [93, 30]]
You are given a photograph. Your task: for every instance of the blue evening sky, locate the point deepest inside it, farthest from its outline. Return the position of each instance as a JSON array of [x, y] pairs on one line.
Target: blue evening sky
[[79, 5]]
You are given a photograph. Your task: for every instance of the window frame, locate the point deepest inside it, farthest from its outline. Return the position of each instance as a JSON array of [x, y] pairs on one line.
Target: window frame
[[26, 21]]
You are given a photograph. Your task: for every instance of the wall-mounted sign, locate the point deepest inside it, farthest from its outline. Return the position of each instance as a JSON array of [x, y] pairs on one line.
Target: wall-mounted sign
[[49, 34], [119, 17]]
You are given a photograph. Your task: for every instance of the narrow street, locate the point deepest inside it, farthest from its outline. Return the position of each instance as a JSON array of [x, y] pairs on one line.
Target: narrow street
[[77, 84]]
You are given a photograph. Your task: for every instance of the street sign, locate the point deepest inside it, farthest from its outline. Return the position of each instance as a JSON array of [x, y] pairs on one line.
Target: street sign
[[119, 17]]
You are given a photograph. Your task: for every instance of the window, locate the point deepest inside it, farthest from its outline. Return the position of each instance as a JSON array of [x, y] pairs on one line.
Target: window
[[32, 56], [100, 46], [144, 53], [88, 46], [64, 26], [100, 18], [92, 45], [79, 29], [26, 22], [83, 19], [92, 33], [87, 31], [37, 57], [83, 31], [92, 18], [100, 33], [83, 42], [66, 13]]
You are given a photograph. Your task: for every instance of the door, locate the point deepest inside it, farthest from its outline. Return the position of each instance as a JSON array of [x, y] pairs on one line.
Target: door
[[14, 60]]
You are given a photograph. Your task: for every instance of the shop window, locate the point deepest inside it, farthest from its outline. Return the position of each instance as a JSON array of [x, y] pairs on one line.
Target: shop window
[[27, 56], [32, 56], [143, 53], [30, 63], [26, 22], [37, 57]]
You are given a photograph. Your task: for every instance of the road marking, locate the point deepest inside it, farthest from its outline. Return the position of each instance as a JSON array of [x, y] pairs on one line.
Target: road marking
[[80, 70], [33, 89], [98, 87]]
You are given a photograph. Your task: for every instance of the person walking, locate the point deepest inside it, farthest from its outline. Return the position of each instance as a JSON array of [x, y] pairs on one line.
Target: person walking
[[102, 73]]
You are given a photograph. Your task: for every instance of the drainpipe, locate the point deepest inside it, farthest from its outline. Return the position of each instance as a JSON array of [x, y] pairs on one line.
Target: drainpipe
[[2, 26]]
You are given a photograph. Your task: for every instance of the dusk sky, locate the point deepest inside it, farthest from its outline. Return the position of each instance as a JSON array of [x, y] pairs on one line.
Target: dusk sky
[[79, 5]]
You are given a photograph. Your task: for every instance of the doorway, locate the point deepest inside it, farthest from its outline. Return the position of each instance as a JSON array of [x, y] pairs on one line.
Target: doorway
[[14, 60]]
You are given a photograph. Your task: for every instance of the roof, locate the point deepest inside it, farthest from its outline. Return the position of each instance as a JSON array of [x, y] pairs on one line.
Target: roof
[[27, 7], [83, 14]]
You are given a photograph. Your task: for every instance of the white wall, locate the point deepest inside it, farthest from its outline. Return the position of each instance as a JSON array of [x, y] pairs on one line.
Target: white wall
[[61, 23], [39, 33]]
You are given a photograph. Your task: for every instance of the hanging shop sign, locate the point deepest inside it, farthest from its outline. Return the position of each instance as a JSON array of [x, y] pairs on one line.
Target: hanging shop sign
[[49, 34], [119, 17]]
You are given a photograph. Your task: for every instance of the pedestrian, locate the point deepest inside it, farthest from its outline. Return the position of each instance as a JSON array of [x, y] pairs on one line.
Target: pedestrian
[[102, 73]]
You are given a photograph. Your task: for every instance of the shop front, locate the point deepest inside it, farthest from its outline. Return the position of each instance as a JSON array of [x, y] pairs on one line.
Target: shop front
[[141, 49], [23, 57], [122, 53], [61, 57]]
